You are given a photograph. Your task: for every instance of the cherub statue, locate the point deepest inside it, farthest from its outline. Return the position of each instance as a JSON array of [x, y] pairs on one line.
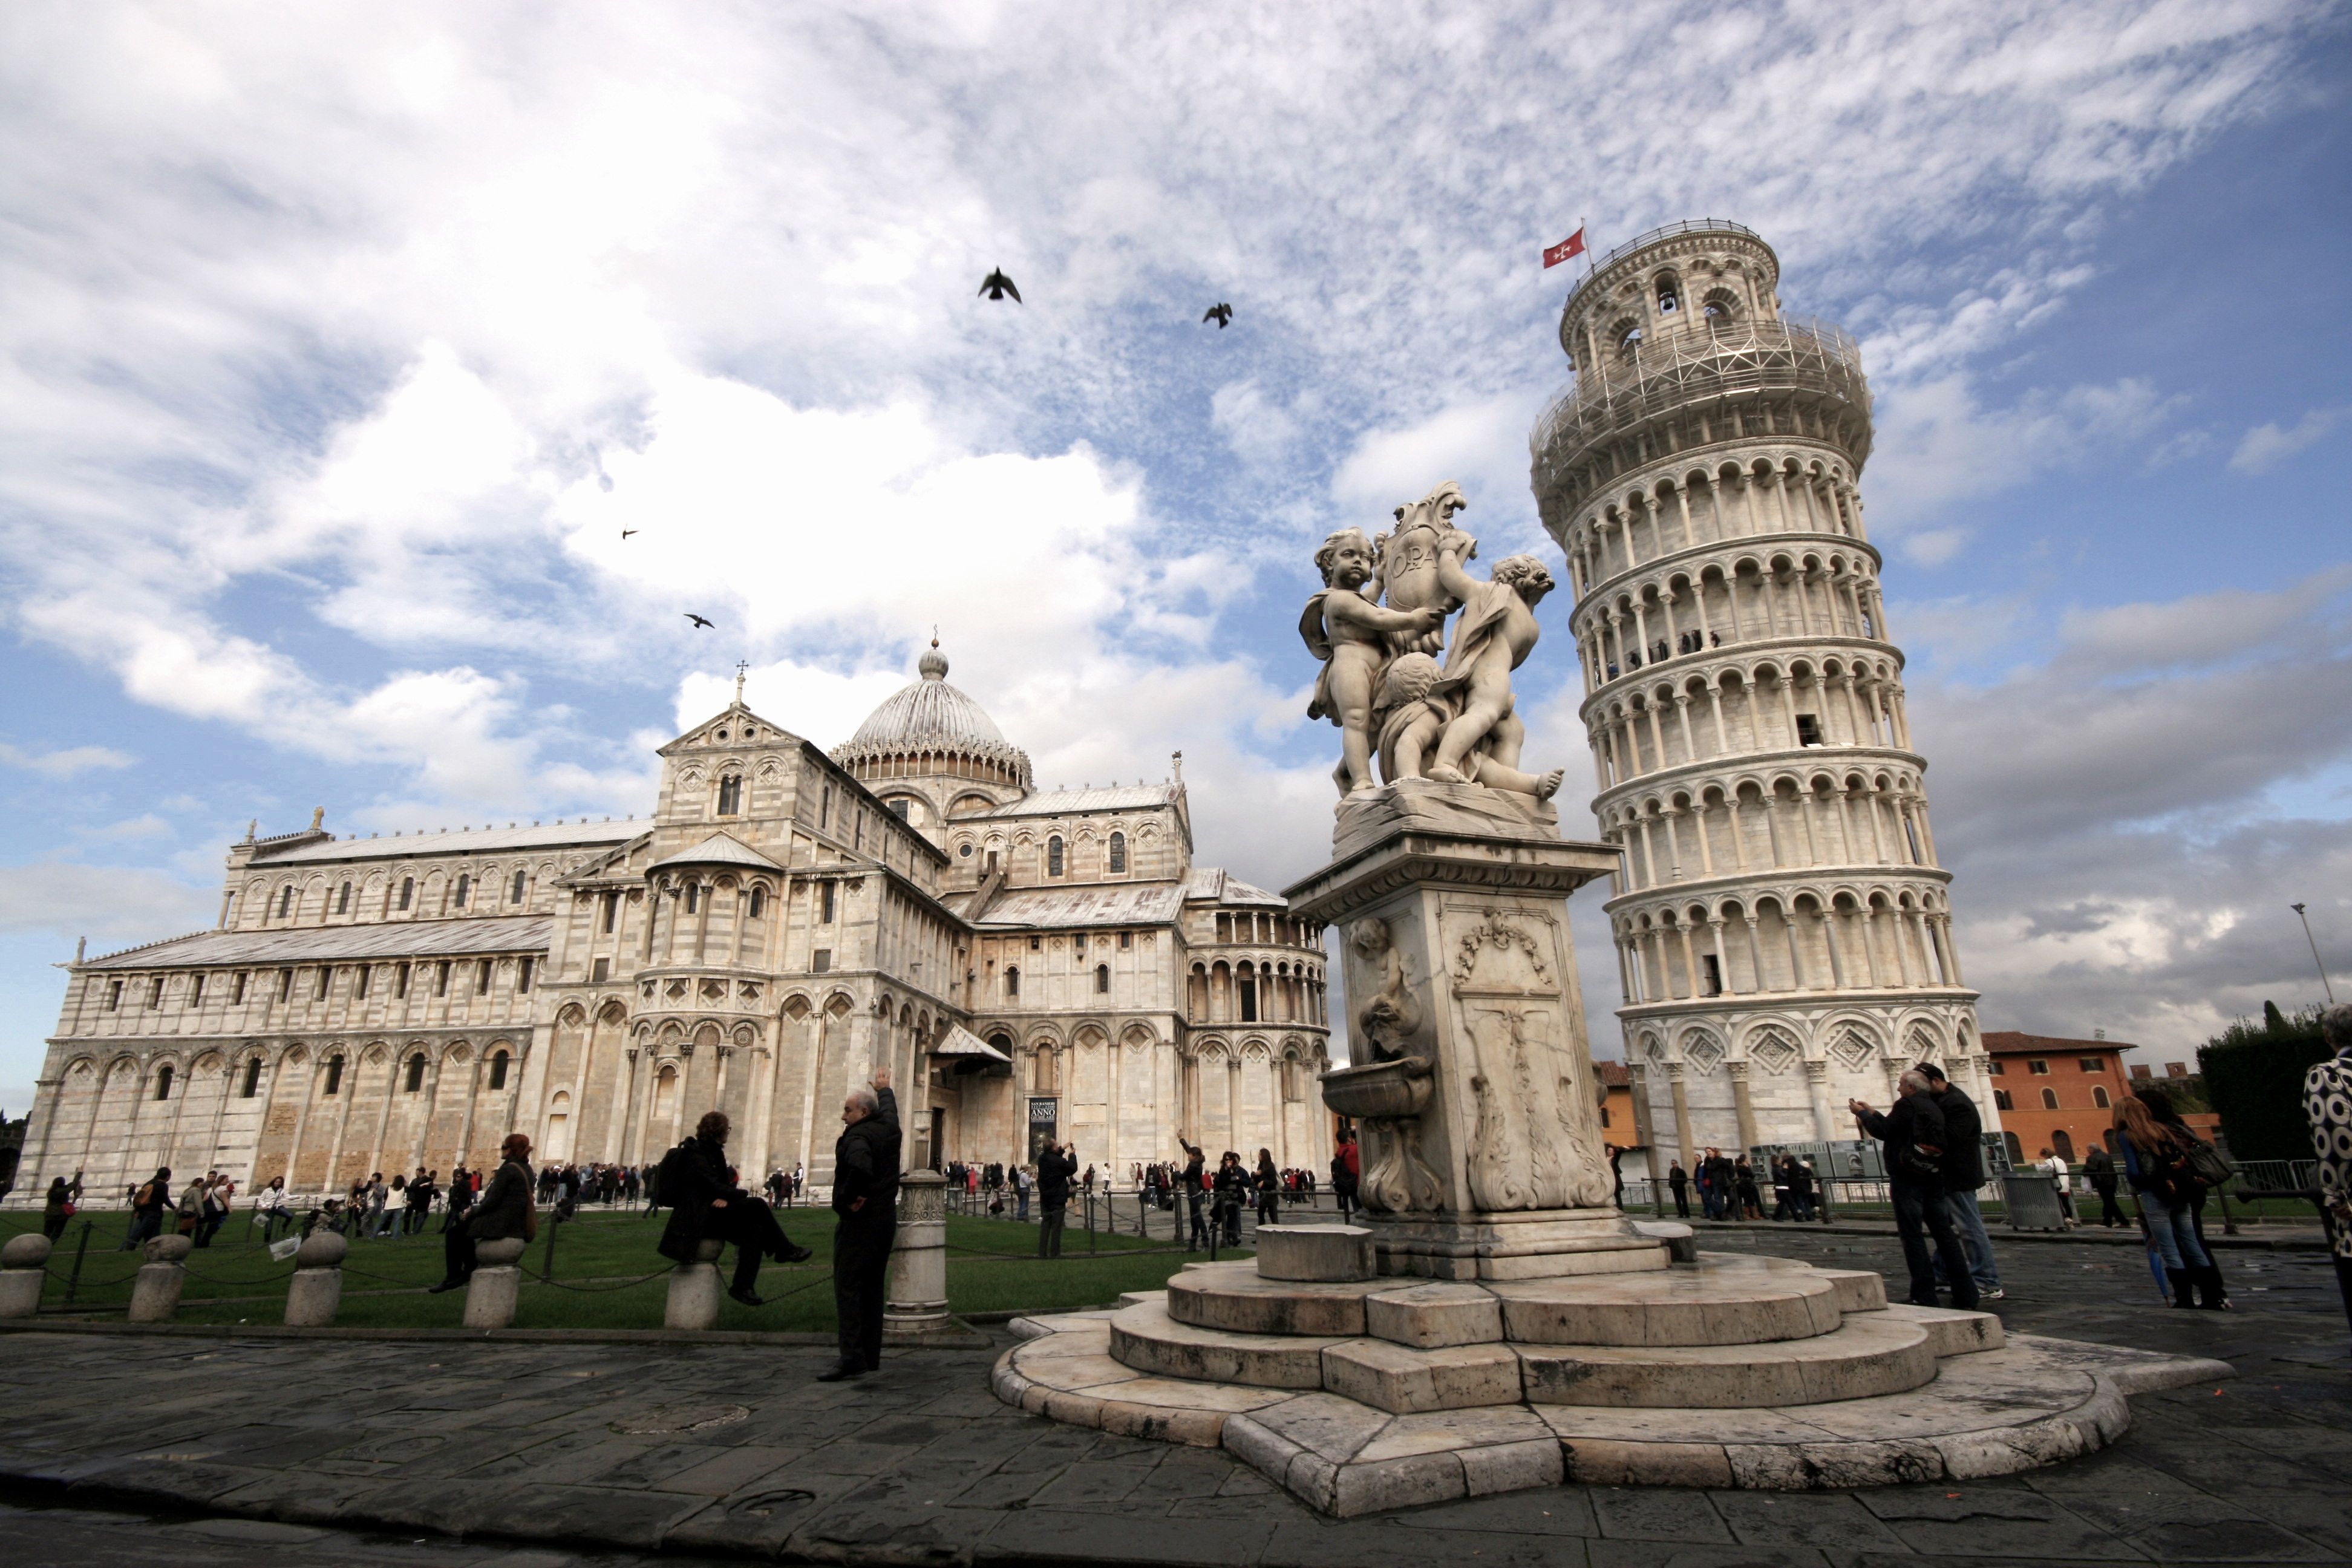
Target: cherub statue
[[1348, 633], [1407, 574], [1413, 713], [1493, 636]]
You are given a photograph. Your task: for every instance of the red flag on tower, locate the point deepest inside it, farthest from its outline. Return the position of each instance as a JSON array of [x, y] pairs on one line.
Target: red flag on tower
[[1573, 246]]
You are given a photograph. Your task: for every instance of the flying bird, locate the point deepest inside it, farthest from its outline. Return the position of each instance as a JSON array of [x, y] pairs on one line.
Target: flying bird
[[626, 532], [1220, 314], [996, 286], [698, 620]]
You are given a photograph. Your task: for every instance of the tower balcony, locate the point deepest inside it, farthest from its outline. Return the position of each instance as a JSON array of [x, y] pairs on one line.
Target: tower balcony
[[1716, 364]]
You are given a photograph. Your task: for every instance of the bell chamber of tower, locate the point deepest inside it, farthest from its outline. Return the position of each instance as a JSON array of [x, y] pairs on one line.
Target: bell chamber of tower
[[1782, 926]]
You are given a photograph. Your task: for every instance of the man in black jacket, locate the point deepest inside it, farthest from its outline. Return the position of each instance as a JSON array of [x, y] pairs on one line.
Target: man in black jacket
[[1191, 1185], [1055, 1166], [705, 1202], [504, 1213], [1913, 1137], [865, 1201], [1964, 1173]]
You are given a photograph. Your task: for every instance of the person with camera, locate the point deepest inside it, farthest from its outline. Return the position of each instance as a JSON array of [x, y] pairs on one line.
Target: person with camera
[[1054, 1165], [865, 1210], [1913, 1136]]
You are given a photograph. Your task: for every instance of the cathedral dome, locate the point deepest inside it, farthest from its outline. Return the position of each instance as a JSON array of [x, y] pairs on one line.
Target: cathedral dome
[[932, 728], [930, 709]]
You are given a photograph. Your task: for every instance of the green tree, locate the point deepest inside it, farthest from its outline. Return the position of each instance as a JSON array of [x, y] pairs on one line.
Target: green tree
[[2254, 1078]]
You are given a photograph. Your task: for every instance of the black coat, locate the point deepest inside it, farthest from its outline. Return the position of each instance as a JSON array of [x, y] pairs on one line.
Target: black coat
[[1915, 1120], [692, 1174], [1964, 1169], [1053, 1171], [866, 1165], [504, 1212]]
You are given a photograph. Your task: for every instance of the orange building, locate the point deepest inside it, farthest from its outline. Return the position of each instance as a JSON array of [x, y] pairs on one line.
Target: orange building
[[1620, 1127], [2060, 1094]]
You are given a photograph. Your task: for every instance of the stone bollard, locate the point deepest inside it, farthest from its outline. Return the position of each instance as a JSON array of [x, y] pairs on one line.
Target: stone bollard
[[917, 1301], [491, 1293], [317, 1289], [694, 1290], [24, 1264], [156, 1294], [1332, 1253]]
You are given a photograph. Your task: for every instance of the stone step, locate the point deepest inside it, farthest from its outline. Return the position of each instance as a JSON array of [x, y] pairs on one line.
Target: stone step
[[1950, 1331], [1869, 1354], [1233, 1298], [1674, 1307], [1147, 1338]]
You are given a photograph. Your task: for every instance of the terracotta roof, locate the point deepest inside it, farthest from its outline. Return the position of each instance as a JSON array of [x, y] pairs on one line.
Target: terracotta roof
[[2012, 1042], [1615, 1075], [316, 944]]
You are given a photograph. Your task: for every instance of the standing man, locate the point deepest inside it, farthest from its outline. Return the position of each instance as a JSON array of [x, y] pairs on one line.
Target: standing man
[[147, 1205], [2327, 1105], [865, 1201], [1346, 1173], [504, 1213], [1192, 1184], [2054, 1166], [1964, 1173], [2100, 1168], [1678, 1184], [1054, 1168], [1915, 1140]]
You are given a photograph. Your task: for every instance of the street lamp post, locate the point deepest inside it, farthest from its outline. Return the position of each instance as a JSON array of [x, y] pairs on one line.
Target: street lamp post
[[2327, 984]]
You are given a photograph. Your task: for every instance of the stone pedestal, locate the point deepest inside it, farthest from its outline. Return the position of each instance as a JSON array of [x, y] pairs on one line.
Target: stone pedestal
[[1315, 1252], [491, 1293], [695, 1290], [1480, 1117], [155, 1293], [316, 1287], [916, 1303], [23, 1265]]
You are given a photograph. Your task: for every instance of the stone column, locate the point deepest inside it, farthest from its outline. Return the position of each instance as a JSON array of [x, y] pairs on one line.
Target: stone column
[[1817, 1077], [1455, 909], [316, 1287], [1681, 1098], [155, 1293], [916, 1303], [23, 1269], [694, 1290], [1743, 1105], [491, 1293]]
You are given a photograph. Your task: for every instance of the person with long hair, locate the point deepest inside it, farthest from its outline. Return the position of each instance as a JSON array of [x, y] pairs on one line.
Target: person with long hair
[[1269, 1189], [2156, 1163]]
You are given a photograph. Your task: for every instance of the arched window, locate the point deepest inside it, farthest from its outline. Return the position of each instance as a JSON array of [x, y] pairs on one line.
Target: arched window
[[2099, 1097], [1118, 854], [499, 1069], [1669, 296], [284, 899], [408, 890], [1012, 982], [163, 1083], [2001, 1101], [898, 807], [1720, 310], [465, 886], [1102, 979], [665, 1093], [2063, 1143], [343, 899], [252, 1085], [1053, 855], [1630, 341], [693, 897], [2048, 1099], [334, 1075], [2016, 1149], [514, 894], [759, 902], [415, 1079], [730, 795]]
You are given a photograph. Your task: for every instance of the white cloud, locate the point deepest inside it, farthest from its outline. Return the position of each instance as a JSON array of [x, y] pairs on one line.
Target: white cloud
[[111, 903], [67, 763], [2265, 447], [146, 825]]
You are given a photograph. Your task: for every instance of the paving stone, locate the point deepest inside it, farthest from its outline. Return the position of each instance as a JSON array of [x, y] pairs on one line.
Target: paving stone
[[1803, 1519], [1035, 1535], [1990, 1521], [1641, 1515], [1357, 1543]]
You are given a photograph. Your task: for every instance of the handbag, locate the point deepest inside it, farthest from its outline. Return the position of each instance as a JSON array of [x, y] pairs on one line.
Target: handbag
[[2206, 1163]]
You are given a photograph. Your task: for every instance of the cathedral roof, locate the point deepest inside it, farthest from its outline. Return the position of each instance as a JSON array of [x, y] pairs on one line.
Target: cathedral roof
[[1111, 797], [1207, 883], [1118, 904], [313, 944], [719, 849], [929, 711], [469, 841]]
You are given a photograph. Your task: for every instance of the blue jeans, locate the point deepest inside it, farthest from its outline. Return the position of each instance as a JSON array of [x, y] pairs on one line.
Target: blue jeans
[[1969, 1220], [1922, 1210], [2175, 1230], [1023, 1214]]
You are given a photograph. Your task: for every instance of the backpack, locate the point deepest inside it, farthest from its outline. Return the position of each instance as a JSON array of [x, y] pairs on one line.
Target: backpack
[[2206, 1163]]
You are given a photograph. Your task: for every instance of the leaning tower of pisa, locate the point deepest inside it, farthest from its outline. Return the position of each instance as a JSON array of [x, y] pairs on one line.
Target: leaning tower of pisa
[[1783, 928]]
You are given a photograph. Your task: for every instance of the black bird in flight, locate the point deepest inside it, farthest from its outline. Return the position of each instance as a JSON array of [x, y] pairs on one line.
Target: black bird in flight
[[626, 532], [698, 620], [996, 286], [1220, 314]]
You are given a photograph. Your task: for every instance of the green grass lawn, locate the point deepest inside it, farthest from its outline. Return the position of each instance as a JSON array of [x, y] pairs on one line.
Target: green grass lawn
[[235, 1279]]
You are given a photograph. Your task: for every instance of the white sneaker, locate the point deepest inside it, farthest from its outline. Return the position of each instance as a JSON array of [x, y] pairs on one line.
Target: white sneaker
[[1991, 1295]]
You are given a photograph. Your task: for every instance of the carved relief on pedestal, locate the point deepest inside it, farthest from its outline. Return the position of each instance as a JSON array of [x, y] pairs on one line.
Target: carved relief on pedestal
[[1536, 1141]]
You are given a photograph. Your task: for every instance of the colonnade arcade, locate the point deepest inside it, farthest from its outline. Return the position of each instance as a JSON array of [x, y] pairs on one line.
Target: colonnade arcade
[[1786, 594], [1784, 493], [1770, 820], [1877, 938], [1765, 704]]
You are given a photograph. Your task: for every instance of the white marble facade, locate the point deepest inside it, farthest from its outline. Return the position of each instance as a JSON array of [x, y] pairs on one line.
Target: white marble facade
[[1783, 929], [783, 923]]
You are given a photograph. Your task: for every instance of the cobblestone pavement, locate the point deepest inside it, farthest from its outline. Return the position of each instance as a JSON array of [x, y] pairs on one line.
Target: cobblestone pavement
[[532, 1453]]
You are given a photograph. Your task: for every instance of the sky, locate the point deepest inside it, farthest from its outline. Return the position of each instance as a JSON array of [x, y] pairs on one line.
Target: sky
[[340, 345]]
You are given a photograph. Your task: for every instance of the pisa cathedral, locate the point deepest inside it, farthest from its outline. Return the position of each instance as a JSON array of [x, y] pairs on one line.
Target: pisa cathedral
[[1029, 963], [1783, 928]]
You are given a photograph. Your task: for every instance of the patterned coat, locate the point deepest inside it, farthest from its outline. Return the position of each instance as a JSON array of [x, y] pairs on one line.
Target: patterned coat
[[2327, 1100]]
